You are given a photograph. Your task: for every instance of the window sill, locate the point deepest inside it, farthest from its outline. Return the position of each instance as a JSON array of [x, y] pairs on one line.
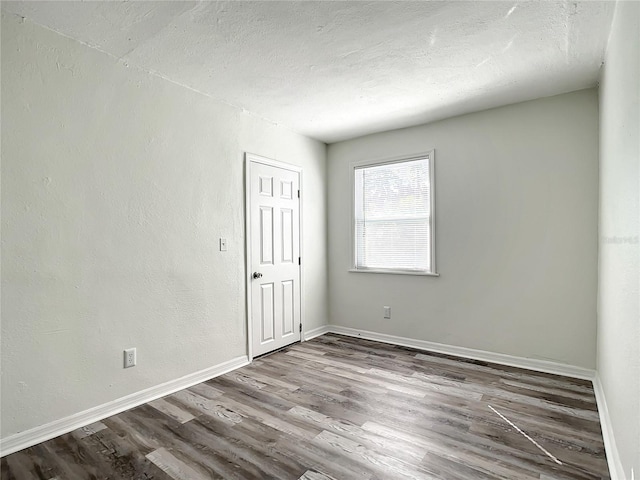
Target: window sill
[[395, 272]]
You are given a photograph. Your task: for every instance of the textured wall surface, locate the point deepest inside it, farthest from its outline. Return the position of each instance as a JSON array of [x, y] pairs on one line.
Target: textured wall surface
[[116, 186], [516, 242], [619, 264]]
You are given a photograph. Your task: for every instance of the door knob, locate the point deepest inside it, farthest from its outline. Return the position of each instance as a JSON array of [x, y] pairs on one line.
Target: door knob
[[257, 275]]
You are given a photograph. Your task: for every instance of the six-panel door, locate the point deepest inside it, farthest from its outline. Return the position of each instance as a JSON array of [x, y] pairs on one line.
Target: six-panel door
[[275, 252]]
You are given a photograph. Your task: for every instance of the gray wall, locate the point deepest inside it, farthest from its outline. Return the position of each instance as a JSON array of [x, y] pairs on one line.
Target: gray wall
[[116, 186], [517, 210], [619, 266]]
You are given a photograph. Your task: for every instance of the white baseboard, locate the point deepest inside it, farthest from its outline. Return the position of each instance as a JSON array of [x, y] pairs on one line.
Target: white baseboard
[[316, 332], [613, 458], [500, 358], [51, 430], [56, 428]]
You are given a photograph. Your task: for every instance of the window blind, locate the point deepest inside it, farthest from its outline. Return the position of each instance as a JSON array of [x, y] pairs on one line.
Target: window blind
[[392, 216]]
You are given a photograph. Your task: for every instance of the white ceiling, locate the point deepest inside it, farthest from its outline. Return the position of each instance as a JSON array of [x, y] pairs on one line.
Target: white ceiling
[[336, 70]]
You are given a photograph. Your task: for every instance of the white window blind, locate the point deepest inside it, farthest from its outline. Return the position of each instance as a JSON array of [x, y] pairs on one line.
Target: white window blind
[[393, 217]]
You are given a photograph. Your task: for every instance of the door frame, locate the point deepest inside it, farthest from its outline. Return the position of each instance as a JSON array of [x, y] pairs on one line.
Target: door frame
[[250, 158]]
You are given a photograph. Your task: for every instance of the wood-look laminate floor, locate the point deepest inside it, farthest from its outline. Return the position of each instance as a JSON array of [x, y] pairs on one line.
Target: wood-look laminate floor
[[342, 408]]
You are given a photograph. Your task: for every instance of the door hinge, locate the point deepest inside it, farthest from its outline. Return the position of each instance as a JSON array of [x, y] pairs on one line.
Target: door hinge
[[299, 261], [300, 328], [298, 193]]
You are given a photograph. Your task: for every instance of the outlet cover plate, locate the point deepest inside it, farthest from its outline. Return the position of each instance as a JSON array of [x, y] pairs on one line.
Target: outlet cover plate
[[130, 358]]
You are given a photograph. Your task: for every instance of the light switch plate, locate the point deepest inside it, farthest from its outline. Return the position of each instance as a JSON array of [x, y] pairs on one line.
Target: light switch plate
[[223, 244]]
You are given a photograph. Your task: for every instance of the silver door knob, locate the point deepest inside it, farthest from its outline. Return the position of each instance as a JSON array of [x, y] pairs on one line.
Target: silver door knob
[[257, 275]]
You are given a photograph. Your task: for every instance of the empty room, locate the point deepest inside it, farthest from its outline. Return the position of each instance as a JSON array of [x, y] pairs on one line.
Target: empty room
[[320, 240]]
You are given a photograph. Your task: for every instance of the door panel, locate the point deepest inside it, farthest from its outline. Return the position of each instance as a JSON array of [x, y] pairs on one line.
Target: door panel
[[288, 316], [286, 222], [274, 252], [267, 315], [266, 236]]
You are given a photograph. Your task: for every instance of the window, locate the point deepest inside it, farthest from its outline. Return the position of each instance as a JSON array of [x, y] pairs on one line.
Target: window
[[393, 228]]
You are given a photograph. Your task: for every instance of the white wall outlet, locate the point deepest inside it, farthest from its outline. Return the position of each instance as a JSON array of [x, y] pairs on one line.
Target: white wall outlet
[[387, 312], [223, 244], [129, 357]]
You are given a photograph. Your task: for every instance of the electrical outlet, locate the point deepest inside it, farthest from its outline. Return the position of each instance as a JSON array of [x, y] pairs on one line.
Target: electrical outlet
[[129, 357], [387, 312], [223, 244]]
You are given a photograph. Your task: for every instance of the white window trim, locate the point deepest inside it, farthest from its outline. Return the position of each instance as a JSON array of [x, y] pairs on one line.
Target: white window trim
[[432, 221]]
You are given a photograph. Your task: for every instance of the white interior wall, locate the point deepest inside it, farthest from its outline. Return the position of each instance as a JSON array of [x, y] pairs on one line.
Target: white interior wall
[[116, 186], [516, 242], [619, 266]]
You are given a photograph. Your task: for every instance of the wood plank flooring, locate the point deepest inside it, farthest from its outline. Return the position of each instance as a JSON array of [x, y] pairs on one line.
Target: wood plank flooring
[[342, 408]]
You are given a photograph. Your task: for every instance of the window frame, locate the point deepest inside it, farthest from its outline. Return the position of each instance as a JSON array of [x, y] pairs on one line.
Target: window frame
[[430, 155]]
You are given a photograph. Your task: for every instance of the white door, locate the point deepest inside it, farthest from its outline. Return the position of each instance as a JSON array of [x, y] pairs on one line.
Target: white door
[[274, 263]]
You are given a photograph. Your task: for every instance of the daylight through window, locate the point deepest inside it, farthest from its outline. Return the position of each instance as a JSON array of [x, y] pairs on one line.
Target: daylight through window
[[394, 216]]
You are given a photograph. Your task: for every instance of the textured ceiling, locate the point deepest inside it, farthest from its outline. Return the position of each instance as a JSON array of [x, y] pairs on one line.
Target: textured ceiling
[[337, 70]]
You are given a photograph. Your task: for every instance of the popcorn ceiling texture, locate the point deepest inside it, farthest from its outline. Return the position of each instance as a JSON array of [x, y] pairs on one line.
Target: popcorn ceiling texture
[[337, 70]]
